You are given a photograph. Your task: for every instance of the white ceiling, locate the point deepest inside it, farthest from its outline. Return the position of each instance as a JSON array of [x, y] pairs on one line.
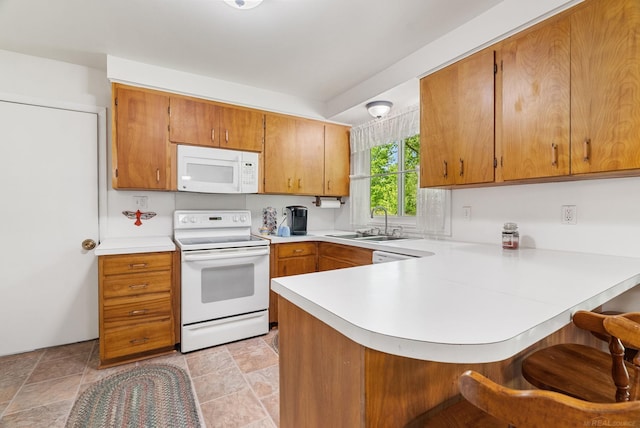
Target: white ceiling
[[312, 49]]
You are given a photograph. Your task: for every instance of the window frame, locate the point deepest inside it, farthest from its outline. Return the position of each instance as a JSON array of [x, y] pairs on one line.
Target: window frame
[[406, 221]]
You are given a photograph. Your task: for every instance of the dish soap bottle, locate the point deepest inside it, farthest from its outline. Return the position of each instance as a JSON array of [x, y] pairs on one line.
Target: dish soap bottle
[[510, 236]]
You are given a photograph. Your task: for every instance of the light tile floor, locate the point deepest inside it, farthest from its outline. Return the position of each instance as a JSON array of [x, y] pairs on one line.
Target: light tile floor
[[236, 385]]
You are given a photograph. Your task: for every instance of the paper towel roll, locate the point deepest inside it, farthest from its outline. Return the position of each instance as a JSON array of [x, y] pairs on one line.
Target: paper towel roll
[[329, 203]]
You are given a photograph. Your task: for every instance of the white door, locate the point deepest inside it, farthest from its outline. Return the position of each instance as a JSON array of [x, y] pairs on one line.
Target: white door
[[48, 171]]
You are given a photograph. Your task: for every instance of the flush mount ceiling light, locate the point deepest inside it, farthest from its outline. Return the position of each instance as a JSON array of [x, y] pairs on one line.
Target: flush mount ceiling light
[[243, 4], [379, 109]]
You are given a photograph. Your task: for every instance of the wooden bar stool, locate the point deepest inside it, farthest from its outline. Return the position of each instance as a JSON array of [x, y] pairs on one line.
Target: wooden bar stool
[[629, 332], [542, 409], [505, 407], [582, 371]]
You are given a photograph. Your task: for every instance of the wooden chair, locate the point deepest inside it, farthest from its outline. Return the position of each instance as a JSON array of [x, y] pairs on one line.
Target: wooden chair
[[489, 405], [629, 333], [543, 409], [582, 371]]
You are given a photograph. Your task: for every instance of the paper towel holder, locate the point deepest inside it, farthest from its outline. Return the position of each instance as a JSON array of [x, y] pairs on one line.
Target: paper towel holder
[[317, 202]]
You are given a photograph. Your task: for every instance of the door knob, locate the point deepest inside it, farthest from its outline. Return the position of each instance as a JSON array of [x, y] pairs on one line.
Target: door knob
[[88, 244]]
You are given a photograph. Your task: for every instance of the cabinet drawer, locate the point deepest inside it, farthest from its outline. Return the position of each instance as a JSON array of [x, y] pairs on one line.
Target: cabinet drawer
[[129, 263], [135, 310], [296, 249], [356, 256], [134, 284], [138, 338]]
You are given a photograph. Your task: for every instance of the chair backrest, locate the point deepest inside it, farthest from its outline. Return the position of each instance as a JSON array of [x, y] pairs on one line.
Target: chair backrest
[[627, 329], [595, 323], [543, 409]]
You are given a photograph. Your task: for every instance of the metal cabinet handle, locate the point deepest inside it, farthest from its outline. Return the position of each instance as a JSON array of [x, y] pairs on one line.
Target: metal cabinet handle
[[138, 312], [328, 184], [139, 341], [554, 154], [444, 172], [138, 286], [461, 167], [297, 250], [137, 265], [299, 183], [289, 183], [226, 136], [586, 146], [158, 175], [213, 135]]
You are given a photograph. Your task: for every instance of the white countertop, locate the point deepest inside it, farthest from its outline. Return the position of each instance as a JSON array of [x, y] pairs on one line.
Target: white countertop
[[467, 303], [147, 244]]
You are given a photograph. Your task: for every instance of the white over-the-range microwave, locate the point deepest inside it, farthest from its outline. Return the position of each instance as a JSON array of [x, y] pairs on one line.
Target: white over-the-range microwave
[[210, 170]]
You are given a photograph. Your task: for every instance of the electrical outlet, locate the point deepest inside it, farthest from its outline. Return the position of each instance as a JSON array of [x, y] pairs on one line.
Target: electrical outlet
[[140, 202], [569, 214], [466, 213]]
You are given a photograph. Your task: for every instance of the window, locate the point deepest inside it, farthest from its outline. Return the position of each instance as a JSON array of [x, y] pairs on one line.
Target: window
[[394, 176]]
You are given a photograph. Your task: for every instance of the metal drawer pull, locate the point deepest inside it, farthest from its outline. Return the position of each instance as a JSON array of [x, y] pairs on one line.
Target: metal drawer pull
[[444, 172], [138, 286], [554, 154], [139, 341], [298, 250], [585, 149], [137, 265], [138, 312], [461, 167]]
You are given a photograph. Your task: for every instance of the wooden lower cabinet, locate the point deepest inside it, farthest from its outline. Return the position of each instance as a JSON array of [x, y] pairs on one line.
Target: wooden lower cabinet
[[328, 380], [296, 258], [290, 259], [136, 306], [336, 256]]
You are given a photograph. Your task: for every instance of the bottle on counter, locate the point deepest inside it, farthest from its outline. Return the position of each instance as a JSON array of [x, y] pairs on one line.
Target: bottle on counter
[[510, 236]]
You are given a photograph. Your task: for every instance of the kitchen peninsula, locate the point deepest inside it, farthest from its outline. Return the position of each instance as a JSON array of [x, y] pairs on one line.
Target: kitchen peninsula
[[377, 345]]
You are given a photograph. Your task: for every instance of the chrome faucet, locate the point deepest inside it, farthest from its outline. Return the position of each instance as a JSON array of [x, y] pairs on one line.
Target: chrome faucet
[[374, 209]]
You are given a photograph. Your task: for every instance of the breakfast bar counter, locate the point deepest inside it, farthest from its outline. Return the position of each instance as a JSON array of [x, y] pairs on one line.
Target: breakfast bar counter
[[377, 345]]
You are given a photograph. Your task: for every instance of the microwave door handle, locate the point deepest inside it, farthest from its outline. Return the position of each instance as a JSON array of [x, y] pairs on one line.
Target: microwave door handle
[[225, 255]]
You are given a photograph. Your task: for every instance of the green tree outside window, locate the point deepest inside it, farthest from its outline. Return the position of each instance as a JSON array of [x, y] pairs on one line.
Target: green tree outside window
[[394, 176]]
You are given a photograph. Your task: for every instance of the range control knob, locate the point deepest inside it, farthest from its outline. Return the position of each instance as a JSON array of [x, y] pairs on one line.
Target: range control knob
[[235, 218], [243, 218]]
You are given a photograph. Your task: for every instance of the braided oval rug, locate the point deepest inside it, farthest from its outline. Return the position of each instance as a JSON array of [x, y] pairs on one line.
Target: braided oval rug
[[153, 395]]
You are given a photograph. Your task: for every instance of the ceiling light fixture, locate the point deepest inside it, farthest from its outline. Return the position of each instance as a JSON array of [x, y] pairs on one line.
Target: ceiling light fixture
[[243, 4], [379, 109]]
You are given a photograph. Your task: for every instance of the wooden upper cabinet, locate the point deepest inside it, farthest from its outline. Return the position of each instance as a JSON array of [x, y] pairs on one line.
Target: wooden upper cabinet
[[536, 102], [294, 156], [605, 86], [336, 160], [204, 123], [194, 122], [241, 129], [141, 146], [457, 123]]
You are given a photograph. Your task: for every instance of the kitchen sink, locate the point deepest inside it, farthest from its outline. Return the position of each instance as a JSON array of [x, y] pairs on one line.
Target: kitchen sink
[[361, 237]]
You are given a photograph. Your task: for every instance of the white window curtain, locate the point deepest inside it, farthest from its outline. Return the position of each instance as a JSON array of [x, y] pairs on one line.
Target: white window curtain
[[433, 211]]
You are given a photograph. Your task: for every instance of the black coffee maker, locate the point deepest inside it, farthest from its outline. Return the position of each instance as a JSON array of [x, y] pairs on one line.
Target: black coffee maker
[[297, 218]]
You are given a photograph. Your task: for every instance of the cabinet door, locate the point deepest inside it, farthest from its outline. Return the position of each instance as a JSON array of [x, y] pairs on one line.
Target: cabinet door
[[457, 123], [605, 86], [309, 165], [140, 149], [336, 160], [476, 137], [241, 129], [296, 265], [279, 156], [536, 103], [438, 126], [294, 156], [193, 122]]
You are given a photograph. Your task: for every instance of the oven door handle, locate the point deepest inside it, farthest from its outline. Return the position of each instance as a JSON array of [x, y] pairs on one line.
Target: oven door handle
[[222, 254]]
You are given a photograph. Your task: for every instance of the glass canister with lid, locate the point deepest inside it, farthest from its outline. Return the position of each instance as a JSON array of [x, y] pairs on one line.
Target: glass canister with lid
[[510, 236]]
